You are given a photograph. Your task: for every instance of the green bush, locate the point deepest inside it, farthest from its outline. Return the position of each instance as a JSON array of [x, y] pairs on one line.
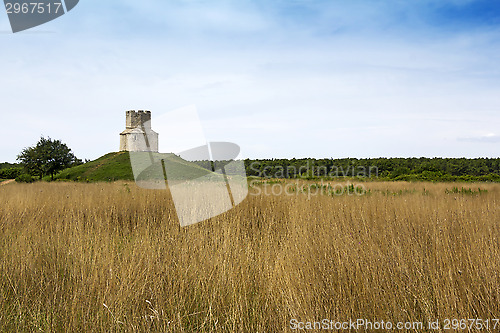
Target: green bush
[[10, 173], [24, 178]]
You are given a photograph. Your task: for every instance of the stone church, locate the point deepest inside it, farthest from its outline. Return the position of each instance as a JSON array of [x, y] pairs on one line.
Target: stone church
[[138, 133]]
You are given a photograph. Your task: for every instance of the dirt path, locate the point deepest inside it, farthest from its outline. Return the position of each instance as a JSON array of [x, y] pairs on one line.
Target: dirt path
[[7, 182]]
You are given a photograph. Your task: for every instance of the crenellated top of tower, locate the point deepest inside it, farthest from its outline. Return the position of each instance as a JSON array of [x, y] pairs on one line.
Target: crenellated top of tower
[[140, 118]]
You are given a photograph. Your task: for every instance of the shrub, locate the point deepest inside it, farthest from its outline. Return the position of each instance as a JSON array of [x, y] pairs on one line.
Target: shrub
[[10, 173], [24, 178]]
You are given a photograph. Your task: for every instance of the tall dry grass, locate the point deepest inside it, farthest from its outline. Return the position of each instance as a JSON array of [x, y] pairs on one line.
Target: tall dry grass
[[112, 258]]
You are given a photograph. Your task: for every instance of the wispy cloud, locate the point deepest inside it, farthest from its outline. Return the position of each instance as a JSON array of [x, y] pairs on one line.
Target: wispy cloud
[[487, 138]]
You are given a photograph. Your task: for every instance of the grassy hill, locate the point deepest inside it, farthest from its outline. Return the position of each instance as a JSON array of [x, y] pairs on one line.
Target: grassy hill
[[112, 166], [116, 166]]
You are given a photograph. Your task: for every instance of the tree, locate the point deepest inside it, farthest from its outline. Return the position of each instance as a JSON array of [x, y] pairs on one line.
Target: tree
[[47, 157]]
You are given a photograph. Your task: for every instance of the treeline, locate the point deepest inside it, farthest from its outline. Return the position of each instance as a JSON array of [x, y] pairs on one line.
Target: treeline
[[10, 170], [428, 169], [409, 169], [6, 165]]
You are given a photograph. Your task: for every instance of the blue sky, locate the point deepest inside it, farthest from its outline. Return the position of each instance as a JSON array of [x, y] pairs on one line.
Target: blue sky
[[294, 78]]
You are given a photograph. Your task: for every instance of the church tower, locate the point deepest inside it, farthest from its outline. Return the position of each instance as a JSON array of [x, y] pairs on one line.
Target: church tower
[[138, 133]]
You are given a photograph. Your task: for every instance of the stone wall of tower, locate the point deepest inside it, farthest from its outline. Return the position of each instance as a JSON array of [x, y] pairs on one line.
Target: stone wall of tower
[[136, 142], [123, 142]]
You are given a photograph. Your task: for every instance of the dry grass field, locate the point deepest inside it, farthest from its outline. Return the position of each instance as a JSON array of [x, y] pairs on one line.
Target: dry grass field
[[112, 258]]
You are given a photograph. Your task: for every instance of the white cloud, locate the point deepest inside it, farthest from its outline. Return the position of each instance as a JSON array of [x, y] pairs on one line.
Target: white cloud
[[486, 138]]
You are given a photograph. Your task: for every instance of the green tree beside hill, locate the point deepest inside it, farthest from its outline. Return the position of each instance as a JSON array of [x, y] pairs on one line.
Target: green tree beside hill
[[47, 157]]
